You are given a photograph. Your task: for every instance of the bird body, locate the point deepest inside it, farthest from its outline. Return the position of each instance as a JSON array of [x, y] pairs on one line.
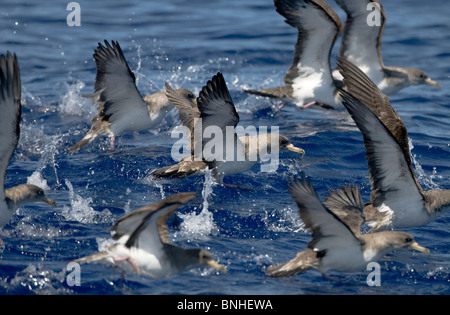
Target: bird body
[[361, 45], [121, 107], [337, 243], [143, 245], [397, 199], [226, 154], [309, 79]]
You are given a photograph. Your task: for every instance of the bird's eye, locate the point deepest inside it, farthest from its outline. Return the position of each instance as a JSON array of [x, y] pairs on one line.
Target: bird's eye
[[408, 240]]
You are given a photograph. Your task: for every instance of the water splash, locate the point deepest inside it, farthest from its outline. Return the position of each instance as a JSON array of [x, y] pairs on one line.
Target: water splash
[[29, 228], [47, 159], [421, 175], [38, 280], [37, 180], [81, 211], [72, 103], [284, 220], [104, 243], [199, 226]]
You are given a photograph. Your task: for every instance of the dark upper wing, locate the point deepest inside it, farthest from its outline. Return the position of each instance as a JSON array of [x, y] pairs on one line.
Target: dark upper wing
[[385, 138], [327, 228], [361, 42], [318, 28], [360, 86], [215, 104], [216, 109], [347, 204], [146, 227], [115, 82], [10, 112]]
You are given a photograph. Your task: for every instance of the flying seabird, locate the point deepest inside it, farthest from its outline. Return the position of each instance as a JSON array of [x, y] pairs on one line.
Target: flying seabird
[[215, 109], [361, 45], [397, 199], [309, 80], [337, 243], [11, 109], [143, 245], [121, 106]]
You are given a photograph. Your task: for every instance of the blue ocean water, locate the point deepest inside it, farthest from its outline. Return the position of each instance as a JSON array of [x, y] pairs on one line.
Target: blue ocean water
[[186, 43]]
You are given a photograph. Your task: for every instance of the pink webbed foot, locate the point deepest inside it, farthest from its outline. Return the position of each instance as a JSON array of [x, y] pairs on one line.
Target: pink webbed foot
[[130, 260]]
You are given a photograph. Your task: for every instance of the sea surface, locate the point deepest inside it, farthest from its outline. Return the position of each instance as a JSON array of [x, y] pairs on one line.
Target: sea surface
[[185, 43]]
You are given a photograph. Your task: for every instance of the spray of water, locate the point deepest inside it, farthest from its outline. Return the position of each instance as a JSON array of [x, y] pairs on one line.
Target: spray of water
[[72, 103], [200, 226], [426, 180], [81, 211]]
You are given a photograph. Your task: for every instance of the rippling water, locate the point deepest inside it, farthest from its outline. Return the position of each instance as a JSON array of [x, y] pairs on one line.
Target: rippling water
[[185, 43]]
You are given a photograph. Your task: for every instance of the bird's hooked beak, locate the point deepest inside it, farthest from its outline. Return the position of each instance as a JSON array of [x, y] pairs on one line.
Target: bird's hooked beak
[[419, 248], [433, 83], [215, 265], [49, 201], [290, 147]]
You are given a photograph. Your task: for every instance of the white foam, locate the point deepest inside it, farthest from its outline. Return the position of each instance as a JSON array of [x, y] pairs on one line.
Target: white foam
[[72, 103], [81, 211], [199, 226], [288, 221], [423, 178], [37, 279], [37, 180], [103, 243], [29, 228]]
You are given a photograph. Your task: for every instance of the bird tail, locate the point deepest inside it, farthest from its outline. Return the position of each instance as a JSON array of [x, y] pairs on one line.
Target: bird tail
[[304, 260], [180, 170], [276, 92], [88, 138], [92, 258], [282, 270]]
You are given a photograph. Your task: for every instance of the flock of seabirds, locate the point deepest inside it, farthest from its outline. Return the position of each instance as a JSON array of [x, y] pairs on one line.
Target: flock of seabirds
[[360, 83]]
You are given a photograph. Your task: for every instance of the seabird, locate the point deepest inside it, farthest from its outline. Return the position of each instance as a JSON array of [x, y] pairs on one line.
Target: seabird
[[11, 109], [337, 243], [361, 45], [121, 106], [309, 80], [143, 245], [397, 199], [215, 108]]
